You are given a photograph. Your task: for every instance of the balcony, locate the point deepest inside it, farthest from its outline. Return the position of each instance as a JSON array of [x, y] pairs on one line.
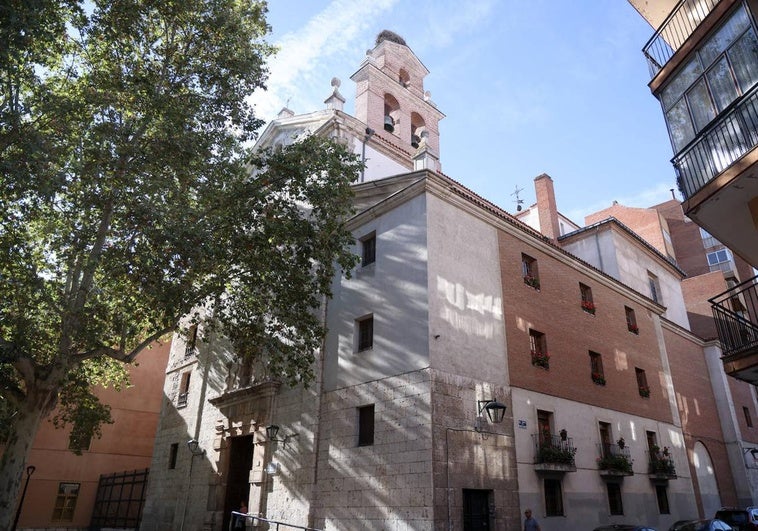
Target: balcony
[[736, 315], [553, 453], [614, 462], [661, 465], [674, 31]]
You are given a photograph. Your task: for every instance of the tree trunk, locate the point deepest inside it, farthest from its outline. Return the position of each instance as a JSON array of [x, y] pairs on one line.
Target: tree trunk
[[38, 403]]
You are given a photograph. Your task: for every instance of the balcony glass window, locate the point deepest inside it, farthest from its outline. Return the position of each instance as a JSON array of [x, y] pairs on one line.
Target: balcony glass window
[[722, 70]]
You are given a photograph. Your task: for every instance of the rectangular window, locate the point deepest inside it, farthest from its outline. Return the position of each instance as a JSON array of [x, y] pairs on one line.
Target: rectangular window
[[588, 304], [644, 389], [708, 240], [652, 441], [615, 505], [655, 288], [605, 439], [544, 426], [553, 497], [748, 418], [191, 341], [530, 271], [596, 368], [366, 425], [631, 320], [172, 453], [181, 400], [538, 346], [365, 332], [65, 502], [78, 442], [720, 260], [663, 499], [368, 249]]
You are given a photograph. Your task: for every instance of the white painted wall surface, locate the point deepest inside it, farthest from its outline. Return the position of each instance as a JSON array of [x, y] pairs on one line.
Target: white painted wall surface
[[378, 165], [394, 290], [585, 497], [465, 301]]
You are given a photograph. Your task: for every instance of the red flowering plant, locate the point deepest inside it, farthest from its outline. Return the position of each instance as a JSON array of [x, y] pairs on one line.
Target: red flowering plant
[[633, 328], [598, 378], [588, 306], [541, 359], [644, 391]]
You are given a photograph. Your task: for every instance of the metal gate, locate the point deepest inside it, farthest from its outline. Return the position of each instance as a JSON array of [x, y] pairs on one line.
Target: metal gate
[[119, 501]]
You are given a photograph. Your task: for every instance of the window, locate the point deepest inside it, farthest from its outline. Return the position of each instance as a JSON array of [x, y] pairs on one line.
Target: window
[[605, 438], [65, 502], [748, 418], [642, 382], [544, 425], [631, 320], [615, 506], [588, 304], [529, 271], [720, 260], [366, 425], [365, 332], [722, 70], [78, 441], [708, 240], [663, 499], [655, 288], [368, 249], [553, 497], [181, 400], [652, 441], [596, 368], [172, 453], [538, 346], [191, 341]]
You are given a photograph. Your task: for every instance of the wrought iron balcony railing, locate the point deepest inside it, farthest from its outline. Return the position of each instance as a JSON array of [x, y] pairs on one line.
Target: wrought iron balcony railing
[[736, 315], [677, 27], [553, 449], [719, 145], [661, 465], [615, 459], [181, 400]]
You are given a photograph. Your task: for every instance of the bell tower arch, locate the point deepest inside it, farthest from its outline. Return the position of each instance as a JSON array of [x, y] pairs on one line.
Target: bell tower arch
[[390, 96]]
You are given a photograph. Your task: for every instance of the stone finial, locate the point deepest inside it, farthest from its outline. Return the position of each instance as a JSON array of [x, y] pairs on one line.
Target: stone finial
[[335, 100], [285, 113]]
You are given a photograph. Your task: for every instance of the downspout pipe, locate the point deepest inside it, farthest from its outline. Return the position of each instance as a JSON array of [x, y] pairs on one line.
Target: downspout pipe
[[369, 133]]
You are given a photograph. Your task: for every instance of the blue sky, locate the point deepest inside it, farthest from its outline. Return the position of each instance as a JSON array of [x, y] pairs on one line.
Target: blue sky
[[543, 86]]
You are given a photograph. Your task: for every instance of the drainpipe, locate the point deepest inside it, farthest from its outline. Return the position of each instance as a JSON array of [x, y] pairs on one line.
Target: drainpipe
[[369, 133]]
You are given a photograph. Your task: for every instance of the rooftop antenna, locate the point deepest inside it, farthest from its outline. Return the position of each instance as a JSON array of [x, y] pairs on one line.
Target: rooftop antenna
[[518, 200]]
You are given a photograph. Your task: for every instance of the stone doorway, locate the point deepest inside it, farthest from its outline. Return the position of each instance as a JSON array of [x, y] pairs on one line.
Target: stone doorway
[[476, 509], [238, 475]]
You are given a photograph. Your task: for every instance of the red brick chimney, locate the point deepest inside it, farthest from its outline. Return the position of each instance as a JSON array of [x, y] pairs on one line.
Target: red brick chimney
[[546, 206]]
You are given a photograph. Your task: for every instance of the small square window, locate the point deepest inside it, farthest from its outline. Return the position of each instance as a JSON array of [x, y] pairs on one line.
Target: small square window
[[366, 425], [596, 368], [368, 249], [553, 497], [587, 303], [538, 347], [644, 389], [65, 502], [181, 400], [631, 320], [172, 454], [615, 504], [748, 418], [530, 271], [365, 332]]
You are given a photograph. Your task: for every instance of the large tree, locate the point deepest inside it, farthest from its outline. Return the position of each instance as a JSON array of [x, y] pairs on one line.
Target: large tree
[[129, 197]]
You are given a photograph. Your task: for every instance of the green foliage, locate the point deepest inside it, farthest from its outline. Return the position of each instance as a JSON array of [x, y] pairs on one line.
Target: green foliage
[[617, 462], [129, 197], [556, 453]]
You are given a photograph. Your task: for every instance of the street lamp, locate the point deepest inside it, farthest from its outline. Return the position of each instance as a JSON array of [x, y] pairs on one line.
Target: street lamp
[[494, 409], [29, 471]]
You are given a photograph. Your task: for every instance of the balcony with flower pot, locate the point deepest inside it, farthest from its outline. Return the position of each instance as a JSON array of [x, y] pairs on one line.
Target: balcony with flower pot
[[661, 464], [588, 306], [553, 453], [644, 391], [540, 359], [615, 461], [531, 281], [598, 378]]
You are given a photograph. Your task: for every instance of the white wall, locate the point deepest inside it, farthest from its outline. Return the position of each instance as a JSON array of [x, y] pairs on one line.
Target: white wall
[[394, 289]]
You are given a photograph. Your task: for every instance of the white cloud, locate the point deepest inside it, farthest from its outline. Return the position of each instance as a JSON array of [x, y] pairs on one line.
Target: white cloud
[[339, 28]]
